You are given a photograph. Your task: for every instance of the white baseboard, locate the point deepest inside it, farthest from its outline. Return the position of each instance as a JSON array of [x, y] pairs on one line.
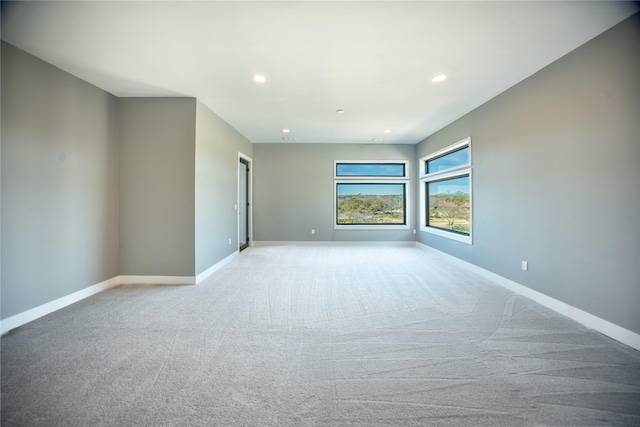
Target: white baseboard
[[401, 243], [35, 313], [30, 315], [215, 267], [157, 280], [605, 327]]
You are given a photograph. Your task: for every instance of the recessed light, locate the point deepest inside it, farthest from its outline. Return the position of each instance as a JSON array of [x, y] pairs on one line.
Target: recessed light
[[285, 131], [340, 111], [387, 131], [438, 78], [259, 78]]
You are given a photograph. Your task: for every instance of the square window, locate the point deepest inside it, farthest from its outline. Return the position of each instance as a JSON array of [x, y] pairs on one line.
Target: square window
[[371, 194], [370, 204], [449, 204]]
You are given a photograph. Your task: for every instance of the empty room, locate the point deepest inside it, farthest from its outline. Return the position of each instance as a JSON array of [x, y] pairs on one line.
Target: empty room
[[320, 213]]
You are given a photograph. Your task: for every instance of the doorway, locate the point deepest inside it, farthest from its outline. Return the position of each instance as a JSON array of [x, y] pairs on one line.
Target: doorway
[[244, 202]]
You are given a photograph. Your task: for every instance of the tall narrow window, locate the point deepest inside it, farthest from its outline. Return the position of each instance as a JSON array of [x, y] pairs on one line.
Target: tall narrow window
[[446, 196], [371, 194]]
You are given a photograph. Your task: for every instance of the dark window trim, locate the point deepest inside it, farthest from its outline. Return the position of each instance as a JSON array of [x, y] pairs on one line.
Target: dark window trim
[[432, 159], [402, 163], [404, 203], [426, 198]]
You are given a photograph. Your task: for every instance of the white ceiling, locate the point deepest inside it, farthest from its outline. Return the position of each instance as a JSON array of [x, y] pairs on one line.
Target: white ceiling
[[373, 59]]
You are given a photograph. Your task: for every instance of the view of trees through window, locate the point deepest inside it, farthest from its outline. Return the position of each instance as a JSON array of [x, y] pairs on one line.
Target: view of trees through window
[[449, 205], [445, 202], [370, 203]]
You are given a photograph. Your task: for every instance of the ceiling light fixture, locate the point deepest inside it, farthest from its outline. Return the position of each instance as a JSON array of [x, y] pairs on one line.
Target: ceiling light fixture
[[259, 78], [340, 111], [387, 131], [285, 131], [438, 78]]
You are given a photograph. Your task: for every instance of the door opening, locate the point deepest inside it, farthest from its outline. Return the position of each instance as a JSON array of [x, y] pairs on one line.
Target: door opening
[[244, 203]]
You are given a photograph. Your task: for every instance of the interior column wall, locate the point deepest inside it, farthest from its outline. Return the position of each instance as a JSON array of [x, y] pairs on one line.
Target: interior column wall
[[156, 138], [216, 187]]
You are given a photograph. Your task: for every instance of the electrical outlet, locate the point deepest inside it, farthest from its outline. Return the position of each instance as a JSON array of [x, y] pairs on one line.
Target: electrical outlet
[[229, 241], [313, 231], [525, 265], [414, 231]]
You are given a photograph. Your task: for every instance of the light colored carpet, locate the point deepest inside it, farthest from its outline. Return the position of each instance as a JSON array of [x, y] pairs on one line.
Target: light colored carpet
[[317, 336]]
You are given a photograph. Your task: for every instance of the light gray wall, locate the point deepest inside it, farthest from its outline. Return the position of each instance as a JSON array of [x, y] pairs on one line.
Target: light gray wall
[[556, 179], [293, 190], [216, 189], [59, 175], [156, 140]]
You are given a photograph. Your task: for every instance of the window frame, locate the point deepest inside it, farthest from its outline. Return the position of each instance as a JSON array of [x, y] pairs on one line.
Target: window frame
[[458, 171], [367, 179], [364, 162]]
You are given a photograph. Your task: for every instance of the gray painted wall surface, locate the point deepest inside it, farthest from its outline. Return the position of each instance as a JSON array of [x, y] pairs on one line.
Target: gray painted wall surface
[[156, 140], [556, 179], [293, 190], [59, 175], [216, 191]]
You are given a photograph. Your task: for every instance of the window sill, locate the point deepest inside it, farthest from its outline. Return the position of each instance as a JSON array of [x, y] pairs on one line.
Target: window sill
[[449, 235], [371, 227]]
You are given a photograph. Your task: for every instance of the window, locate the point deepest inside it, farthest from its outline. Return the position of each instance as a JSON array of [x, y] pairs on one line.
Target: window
[[371, 194], [371, 169], [446, 196]]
